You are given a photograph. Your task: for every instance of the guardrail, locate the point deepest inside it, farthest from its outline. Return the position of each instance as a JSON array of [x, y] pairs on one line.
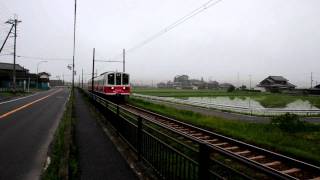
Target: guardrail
[[239, 109], [170, 157]]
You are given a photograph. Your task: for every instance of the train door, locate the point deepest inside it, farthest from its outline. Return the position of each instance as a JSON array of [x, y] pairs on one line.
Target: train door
[[118, 78]]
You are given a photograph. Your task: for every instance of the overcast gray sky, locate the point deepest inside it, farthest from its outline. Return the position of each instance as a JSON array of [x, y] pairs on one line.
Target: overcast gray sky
[[258, 37]]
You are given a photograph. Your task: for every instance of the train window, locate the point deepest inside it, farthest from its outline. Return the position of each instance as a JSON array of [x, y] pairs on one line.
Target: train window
[[118, 78], [111, 79], [125, 79]]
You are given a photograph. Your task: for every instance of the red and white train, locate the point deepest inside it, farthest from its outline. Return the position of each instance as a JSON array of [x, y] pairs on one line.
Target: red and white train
[[111, 84]]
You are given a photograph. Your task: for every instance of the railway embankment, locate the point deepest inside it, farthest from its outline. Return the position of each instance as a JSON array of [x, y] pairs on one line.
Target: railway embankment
[[300, 144]]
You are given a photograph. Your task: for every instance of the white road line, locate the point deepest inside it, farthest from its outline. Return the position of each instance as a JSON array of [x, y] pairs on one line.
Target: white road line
[[5, 102]]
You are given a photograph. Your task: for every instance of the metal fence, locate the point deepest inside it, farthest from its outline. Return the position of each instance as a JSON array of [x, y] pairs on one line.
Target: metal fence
[[169, 156], [239, 109]]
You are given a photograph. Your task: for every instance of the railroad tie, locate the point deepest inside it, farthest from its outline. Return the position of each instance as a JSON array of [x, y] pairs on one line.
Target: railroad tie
[[273, 163], [290, 171], [243, 152], [211, 140], [257, 157], [197, 134], [231, 148], [220, 144], [205, 137]]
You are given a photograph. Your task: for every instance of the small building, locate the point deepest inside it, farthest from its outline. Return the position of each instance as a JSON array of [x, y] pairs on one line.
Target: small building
[[43, 82], [276, 84], [315, 90], [23, 77], [161, 85], [182, 81], [213, 85]]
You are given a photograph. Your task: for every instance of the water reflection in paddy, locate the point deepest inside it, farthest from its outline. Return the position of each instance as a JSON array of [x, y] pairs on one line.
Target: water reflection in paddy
[[249, 102]]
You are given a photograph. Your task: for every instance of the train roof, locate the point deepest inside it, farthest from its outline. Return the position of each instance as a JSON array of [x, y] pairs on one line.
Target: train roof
[[108, 72]]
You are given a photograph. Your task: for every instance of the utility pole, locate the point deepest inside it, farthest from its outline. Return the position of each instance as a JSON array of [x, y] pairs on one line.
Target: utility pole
[[82, 79], [250, 76], [238, 79], [124, 60], [74, 41], [63, 79], [311, 80], [14, 23], [92, 83]]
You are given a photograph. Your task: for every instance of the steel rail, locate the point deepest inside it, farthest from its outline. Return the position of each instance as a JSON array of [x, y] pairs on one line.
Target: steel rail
[[277, 156]]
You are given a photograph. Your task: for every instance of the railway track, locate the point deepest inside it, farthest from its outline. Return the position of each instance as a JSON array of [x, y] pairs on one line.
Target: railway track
[[271, 163]]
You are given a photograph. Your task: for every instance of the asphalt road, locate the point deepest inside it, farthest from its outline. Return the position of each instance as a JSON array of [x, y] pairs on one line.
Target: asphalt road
[[27, 127]]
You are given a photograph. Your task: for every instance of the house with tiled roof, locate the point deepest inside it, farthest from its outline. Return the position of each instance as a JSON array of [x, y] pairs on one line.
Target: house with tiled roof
[[275, 84]]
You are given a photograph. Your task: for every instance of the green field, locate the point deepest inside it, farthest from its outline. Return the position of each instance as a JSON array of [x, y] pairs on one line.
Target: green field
[[268, 100], [303, 144]]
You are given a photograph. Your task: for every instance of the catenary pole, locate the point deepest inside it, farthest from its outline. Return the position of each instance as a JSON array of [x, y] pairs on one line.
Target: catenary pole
[[74, 41], [124, 60], [92, 83]]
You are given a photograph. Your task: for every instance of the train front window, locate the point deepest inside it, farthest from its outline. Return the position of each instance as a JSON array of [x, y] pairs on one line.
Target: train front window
[[125, 79], [111, 79], [118, 78]]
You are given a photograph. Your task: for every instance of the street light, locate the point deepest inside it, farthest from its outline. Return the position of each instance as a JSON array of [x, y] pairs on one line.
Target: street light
[[38, 70]]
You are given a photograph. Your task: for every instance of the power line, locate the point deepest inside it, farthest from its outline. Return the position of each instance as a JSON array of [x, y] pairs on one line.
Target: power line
[[100, 60], [38, 57], [44, 58], [173, 25]]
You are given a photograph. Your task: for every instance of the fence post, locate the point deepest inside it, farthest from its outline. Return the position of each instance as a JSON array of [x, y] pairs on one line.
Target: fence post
[[139, 138], [204, 161]]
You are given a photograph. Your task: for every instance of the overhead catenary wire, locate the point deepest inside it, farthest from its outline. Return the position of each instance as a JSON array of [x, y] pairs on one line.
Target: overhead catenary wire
[[173, 25], [44, 58]]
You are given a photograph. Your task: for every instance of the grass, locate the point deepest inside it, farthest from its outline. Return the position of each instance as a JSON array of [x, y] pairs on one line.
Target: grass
[[268, 100], [302, 145], [64, 163], [10, 94], [189, 92]]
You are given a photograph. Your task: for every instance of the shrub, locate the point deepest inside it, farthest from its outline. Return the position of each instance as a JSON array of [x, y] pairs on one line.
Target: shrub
[[289, 123], [231, 89]]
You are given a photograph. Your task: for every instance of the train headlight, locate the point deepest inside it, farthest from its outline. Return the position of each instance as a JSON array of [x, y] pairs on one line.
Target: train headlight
[[124, 87], [112, 87]]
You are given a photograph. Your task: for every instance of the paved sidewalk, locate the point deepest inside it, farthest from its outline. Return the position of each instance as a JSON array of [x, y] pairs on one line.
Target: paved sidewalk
[[99, 158]]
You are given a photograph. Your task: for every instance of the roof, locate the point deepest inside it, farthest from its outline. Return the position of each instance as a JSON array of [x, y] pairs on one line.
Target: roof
[[9, 66], [183, 75], [109, 72], [44, 73], [224, 85], [278, 78], [317, 86]]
